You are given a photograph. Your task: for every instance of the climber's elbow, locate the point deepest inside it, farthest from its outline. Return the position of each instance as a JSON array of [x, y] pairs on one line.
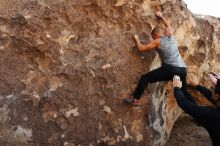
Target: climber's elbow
[[141, 48]]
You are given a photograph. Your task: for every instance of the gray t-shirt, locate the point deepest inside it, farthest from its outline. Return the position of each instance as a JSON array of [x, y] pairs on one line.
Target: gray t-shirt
[[169, 52]]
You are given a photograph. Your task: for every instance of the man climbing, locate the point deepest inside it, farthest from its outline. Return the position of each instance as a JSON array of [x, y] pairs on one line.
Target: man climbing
[[208, 117], [172, 62]]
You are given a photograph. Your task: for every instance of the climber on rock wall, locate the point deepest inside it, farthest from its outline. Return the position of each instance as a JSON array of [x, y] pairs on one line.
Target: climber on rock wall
[[172, 63], [207, 116]]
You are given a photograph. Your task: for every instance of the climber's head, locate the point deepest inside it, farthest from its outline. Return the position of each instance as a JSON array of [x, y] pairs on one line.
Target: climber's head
[[216, 95], [156, 33], [215, 79]]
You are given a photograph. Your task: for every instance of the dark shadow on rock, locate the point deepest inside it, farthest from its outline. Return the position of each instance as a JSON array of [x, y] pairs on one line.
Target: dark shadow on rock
[[148, 55]]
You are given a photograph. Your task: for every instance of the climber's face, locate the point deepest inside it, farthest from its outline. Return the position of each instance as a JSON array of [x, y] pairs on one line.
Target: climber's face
[[215, 97], [215, 94], [156, 36]]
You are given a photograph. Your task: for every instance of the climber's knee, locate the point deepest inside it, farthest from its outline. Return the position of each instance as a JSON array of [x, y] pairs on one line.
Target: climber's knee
[[144, 80]]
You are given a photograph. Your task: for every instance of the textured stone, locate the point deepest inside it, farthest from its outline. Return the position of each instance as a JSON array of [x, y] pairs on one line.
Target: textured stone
[[188, 134]]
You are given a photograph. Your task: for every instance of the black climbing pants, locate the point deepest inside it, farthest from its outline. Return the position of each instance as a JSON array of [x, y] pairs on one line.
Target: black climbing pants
[[164, 73]]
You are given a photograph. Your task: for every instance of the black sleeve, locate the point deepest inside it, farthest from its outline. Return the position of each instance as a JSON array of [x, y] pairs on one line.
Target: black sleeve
[[206, 92], [200, 113]]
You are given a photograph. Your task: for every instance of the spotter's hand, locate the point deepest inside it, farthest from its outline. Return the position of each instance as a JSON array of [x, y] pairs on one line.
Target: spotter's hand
[[159, 14], [177, 82], [136, 37]]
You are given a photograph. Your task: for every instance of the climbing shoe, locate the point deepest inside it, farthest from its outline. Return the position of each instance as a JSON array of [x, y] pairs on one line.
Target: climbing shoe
[[131, 101]]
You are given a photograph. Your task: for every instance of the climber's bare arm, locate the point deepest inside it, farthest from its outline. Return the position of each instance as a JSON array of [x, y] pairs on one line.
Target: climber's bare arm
[[169, 29], [152, 45]]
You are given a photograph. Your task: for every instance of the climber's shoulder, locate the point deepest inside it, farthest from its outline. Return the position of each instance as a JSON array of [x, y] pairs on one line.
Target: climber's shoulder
[[156, 42]]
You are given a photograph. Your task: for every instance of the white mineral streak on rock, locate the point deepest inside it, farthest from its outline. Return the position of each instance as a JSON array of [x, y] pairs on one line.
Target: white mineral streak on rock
[[100, 126], [107, 109], [73, 111], [22, 134], [119, 138], [139, 137], [48, 35], [126, 136], [120, 3], [157, 99], [55, 83], [101, 102], [69, 144], [106, 66], [92, 72], [55, 115]]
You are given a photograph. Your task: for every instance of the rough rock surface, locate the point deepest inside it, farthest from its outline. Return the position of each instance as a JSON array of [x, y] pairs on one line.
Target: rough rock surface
[[67, 65], [185, 132]]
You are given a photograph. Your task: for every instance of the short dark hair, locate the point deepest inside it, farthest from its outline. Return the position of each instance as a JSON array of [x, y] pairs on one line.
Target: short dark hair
[[217, 87], [157, 30]]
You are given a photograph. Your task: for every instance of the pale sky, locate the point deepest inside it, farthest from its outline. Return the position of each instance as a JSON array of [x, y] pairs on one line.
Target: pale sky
[[205, 7]]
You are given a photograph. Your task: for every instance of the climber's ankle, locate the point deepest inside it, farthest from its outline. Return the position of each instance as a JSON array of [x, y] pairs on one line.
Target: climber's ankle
[[132, 101]]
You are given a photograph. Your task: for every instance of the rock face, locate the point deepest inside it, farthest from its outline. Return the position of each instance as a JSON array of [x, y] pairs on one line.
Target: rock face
[[67, 65], [188, 134]]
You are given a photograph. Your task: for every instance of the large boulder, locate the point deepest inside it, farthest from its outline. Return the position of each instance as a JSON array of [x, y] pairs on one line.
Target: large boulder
[[66, 66]]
